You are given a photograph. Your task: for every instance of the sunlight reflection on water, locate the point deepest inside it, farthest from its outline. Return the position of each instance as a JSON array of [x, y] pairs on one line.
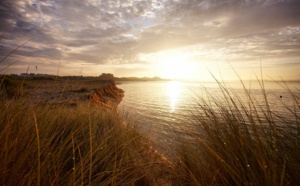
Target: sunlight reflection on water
[[174, 90], [163, 109]]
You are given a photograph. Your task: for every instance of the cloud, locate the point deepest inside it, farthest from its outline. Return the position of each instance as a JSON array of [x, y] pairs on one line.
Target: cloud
[[190, 22], [117, 32]]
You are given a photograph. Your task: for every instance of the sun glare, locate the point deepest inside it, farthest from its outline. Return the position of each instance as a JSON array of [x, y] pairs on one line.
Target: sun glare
[[175, 66], [171, 64]]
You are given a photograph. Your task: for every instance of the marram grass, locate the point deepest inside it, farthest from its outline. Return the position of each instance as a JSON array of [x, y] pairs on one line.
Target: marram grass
[[51, 145], [239, 141]]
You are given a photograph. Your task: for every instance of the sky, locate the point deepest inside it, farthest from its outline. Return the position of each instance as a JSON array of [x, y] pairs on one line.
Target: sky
[[185, 39]]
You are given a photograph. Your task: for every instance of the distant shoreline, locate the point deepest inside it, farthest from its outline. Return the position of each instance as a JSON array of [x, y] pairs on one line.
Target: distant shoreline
[[120, 79]]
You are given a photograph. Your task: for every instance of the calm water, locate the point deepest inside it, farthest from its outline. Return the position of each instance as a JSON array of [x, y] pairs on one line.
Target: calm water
[[162, 108]]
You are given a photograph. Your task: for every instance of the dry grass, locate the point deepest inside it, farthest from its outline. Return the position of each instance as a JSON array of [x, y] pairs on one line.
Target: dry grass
[[49, 145], [239, 142]]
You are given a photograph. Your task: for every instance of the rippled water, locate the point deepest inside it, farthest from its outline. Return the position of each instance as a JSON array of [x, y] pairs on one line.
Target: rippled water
[[162, 108]]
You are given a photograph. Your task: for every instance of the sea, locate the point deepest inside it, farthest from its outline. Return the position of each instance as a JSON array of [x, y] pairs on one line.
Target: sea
[[161, 109]]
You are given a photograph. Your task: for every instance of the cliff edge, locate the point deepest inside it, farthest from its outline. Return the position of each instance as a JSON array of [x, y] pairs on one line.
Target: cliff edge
[[108, 96]]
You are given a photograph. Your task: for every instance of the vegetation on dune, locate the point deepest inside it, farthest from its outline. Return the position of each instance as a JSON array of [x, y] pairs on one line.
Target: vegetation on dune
[[11, 87], [238, 142], [49, 145]]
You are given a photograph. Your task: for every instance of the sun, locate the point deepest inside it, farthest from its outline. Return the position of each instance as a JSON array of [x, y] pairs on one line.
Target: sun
[[175, 66], [172, 64]]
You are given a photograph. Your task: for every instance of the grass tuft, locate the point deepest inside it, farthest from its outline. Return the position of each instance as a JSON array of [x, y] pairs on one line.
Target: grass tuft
[[238, 140], [70, 147]]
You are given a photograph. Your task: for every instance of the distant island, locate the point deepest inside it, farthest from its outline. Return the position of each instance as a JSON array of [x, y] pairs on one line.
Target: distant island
[[109, 76]]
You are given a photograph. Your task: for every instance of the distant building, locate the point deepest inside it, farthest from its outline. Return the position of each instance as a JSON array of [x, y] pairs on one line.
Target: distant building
[[106, 76]]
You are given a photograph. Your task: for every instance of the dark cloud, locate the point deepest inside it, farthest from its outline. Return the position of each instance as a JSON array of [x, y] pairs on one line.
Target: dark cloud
[[7, 16]]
